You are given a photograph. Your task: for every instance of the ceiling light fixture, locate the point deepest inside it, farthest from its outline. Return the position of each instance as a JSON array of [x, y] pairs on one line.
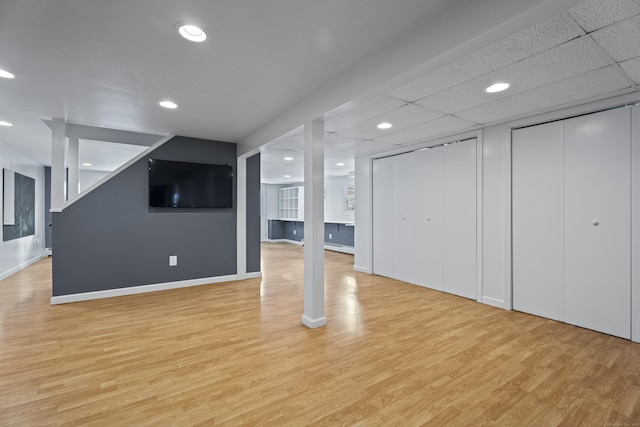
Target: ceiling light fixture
[[192, 33], [384, 125], [340, 164], [87, 164], [498, 87], [288, 158], [6, 75], [287, 176], [168, 104], [7, 124]]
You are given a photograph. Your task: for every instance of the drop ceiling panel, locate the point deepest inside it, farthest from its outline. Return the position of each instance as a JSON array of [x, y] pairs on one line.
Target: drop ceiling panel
[[589, 85], [595, 14], [341, 118], [372, 147], [403, 117], [537, 38], [422, 132], [632, 68], [620, 41], [570, 59]]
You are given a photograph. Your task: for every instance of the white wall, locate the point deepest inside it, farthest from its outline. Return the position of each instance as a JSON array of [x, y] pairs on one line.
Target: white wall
[[496, 174], [17, 254], [335, 200], [87, 178]]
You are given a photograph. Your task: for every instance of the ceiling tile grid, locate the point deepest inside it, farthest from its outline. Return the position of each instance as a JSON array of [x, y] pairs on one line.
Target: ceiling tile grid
[[632, 68], [403, 117], [592, 15], [621, 41], [372, 108], [537, 38], [422, 132], [570, 59], [592, 84]]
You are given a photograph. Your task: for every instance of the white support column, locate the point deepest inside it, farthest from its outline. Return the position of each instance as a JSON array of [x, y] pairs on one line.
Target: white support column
[[73, 163], [313, 316], [58, 151], [241, 218]]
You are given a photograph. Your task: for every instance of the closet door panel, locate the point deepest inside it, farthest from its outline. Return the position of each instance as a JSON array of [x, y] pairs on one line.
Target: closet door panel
[[538, 220], [598, 222], [459, 186], [428, 196], [404, 217], [383, 216]]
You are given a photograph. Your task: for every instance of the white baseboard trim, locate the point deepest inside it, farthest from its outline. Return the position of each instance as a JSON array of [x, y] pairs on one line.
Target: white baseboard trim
[[361, 269], [313, 323], [335, 248], [26, 264], [493, 301], [254, 275], [110, 293]]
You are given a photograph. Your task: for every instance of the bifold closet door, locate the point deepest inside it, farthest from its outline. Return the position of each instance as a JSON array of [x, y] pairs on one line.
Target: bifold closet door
[[459, 212], [538, 220], [404, 216], [428, 201], [598, 222], [383, 216]]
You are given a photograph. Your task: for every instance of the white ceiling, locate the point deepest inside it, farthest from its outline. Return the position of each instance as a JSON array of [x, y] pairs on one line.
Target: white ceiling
[[588, 52], [108, 63]]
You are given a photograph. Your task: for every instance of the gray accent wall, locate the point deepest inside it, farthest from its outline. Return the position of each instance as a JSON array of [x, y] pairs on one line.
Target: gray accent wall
[[48, 241], [111, 239], [253, 213]]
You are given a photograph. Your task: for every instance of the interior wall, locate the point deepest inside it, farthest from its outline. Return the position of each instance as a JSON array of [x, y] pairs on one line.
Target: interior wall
[[495, 175], [253, 213], [17, 254], [363, 219], [87, 178], [335, 200], [111, 239]]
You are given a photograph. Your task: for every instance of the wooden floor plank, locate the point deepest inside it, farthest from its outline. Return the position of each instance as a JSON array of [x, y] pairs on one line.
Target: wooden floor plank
[[236, 354]]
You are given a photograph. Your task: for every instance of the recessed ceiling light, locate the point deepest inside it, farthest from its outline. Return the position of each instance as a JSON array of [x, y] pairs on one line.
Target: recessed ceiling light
[[192, 33], [87, 164], [498, 87], [384, 125], [168, 104], [6, 75], [287, 176], [288, 158], [7, 124], [339, 164]]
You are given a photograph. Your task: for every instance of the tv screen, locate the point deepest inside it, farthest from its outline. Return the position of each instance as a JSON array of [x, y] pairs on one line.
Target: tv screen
[[189, 185]]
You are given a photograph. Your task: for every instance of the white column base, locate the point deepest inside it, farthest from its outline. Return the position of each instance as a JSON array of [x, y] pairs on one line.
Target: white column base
[[313, 323]]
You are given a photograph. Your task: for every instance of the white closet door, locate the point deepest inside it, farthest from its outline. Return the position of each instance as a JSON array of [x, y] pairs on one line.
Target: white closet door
[[598, 222], [428, 196], [383, 216], [459, 185], [538, 220], [404, 217]]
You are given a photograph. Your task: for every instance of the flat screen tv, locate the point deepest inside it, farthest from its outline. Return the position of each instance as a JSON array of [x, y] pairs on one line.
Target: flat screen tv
[[189, 185]]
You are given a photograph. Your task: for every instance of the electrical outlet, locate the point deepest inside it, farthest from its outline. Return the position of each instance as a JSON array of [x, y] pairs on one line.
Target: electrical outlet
[[173, 260], [330, 236], [294, 231]]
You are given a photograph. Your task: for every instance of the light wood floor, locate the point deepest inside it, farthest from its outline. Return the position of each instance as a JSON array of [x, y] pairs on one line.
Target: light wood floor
[[392, 354]]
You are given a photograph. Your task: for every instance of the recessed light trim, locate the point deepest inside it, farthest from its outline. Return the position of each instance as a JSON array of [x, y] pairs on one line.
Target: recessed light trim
[[6, 124], [340, 164], [385, 125], [6, 75], [288, 158], [168, 104], [497, 87], [287, 176], [192, 33], [87, 164]]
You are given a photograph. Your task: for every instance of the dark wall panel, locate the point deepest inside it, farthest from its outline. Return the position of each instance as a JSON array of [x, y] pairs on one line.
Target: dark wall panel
[[253, 213], [111, 239]]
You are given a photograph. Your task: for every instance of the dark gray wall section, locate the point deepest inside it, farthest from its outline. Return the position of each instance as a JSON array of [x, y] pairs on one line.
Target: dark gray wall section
[[253, 213], [341, 234], [48, 241], [111, 239], [276, 229]]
